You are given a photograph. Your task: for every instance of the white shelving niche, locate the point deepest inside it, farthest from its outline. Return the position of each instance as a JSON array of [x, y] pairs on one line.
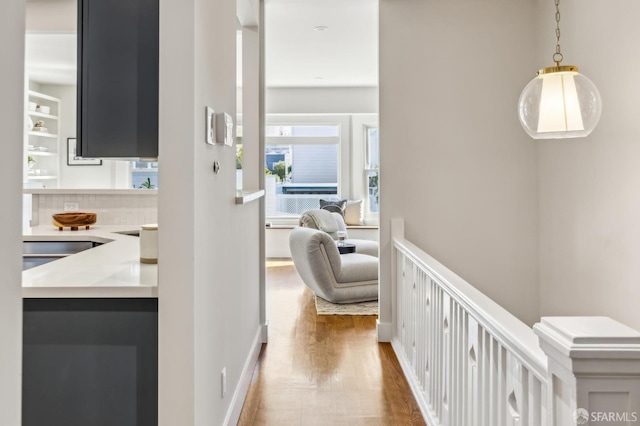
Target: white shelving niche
[[42, 147]]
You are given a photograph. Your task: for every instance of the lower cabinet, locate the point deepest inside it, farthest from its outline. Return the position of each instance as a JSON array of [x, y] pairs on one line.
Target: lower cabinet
[[90, 362]]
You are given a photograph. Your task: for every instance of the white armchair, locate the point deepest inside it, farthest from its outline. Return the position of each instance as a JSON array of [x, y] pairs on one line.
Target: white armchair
[[331, 223], [338, 278]]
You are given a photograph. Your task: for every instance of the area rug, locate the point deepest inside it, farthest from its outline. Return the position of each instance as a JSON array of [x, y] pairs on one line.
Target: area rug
[[363, 308]]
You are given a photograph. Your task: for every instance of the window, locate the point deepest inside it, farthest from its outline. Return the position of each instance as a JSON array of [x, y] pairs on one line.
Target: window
[[366, 163], [302, 166], [239, 162], [144, 174], [305, 130], [372, 168], [313, 157]]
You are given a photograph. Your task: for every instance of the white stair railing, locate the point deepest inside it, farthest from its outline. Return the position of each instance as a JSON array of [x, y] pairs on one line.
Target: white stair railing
[[471, 363]]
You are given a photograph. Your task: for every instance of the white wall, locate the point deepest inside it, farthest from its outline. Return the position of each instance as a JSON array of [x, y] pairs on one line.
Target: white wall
[[253, 156], [11, 123], [111, 174], [455, 162], [322, 100], [590, 188], [209, 256], [47, 15]]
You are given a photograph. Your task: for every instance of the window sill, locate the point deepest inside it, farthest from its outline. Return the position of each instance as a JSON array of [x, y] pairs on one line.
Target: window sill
[[246, 196], [348, 226]]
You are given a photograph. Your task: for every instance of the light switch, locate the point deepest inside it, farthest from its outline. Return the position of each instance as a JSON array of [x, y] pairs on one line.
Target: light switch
[[210, 120], [225, 129]]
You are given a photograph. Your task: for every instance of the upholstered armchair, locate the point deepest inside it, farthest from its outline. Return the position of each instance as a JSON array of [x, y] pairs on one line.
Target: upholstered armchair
[[331, 223], [338, 278]]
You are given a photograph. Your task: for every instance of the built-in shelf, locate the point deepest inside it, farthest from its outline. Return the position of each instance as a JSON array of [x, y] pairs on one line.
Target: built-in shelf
[[43, 153], [43, 147], [43, 96], [43, 134], [248, 195], [42, 115]]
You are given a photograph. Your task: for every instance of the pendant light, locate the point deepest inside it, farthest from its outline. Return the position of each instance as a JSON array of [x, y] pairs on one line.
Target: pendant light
[[559, 102]]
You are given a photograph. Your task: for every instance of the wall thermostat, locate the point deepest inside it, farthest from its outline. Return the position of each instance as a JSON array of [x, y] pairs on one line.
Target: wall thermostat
[[225, 129]]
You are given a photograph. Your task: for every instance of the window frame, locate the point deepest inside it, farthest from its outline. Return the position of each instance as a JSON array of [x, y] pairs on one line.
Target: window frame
[[343, 141], [368, 168], [352, 154], [360, 166]]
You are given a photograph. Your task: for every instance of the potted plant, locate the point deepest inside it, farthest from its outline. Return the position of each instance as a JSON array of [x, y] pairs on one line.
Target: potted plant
[[147, 184]]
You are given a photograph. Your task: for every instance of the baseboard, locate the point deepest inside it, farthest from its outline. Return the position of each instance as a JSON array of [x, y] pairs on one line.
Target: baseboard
[[265, 332], [430, 418], [384, 331], [233, 415]]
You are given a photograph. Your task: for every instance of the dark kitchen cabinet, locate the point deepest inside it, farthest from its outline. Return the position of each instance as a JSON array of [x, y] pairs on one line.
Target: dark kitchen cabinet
[[90, 362], [118, 44]]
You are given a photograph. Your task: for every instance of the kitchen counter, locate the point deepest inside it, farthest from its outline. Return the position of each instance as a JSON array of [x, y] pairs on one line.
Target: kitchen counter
[[80, 191], [112, 270]]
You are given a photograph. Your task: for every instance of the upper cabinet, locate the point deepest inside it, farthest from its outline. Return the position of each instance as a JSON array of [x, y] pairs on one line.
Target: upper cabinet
[[118, 43]]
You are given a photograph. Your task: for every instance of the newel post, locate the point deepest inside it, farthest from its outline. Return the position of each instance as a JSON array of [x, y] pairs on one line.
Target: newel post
[[594, 371]]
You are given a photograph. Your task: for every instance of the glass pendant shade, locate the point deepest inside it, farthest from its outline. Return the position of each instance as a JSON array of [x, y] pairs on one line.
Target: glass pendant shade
[[559, 103]]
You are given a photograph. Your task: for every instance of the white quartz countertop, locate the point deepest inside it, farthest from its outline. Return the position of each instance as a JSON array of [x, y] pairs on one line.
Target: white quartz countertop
[[79, 191], [112, 270]]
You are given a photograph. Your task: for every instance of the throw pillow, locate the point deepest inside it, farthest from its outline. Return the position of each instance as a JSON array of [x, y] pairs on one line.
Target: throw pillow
[[353, 212], [334, 206]]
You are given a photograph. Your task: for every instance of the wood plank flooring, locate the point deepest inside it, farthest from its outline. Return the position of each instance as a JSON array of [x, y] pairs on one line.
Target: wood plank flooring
[[323, 370]]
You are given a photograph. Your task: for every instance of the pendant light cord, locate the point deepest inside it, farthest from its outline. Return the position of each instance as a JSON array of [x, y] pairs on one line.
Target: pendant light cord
[[557, 57]]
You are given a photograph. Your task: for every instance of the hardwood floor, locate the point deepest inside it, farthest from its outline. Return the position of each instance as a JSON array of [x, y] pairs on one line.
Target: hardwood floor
[[323, 370]]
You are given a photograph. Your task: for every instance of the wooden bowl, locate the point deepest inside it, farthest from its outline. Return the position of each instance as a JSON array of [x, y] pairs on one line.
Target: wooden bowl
[[74, 220]]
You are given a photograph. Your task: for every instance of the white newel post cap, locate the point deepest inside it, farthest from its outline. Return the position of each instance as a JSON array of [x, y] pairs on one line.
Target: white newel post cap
[[593, 368], [588, 338]]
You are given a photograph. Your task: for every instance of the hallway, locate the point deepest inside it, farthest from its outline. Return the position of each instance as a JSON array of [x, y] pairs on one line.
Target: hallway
[[323, 370]]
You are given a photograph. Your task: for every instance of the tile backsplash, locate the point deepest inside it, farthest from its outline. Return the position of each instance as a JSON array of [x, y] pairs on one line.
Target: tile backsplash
[[134, 209]]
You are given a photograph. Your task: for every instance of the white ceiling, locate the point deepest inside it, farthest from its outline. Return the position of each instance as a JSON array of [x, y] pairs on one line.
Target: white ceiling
[[345, 54]]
